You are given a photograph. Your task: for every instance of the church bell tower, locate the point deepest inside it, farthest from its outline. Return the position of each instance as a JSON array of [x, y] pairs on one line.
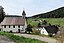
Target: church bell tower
[[23, 15]]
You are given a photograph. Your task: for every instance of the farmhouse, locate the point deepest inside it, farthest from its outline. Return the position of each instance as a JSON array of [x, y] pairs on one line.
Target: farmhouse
[[14, 23], [49, 30]]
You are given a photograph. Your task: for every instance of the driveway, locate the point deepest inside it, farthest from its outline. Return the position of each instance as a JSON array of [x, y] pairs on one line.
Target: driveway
[[46, 39]]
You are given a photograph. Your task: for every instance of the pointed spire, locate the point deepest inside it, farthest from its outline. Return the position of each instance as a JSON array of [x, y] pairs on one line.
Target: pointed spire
[[23, 13]]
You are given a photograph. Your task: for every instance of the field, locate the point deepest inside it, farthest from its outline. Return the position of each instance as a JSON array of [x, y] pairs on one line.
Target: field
[[20, 39], [53, 21]]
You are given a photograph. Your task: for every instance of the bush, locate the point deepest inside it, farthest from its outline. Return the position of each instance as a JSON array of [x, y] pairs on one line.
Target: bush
[[36, 31], [39, 25], [50, 35], [29, 28], [10, 31]]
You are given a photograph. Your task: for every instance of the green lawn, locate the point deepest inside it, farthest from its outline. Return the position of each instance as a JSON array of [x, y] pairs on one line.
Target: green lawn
[[53, 21], [20, 39]]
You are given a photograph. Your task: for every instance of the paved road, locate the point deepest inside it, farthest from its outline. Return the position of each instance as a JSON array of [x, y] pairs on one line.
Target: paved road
[[46, 39]]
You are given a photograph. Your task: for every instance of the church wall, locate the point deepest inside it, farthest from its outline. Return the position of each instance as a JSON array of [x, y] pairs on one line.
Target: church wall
[[7, 29]]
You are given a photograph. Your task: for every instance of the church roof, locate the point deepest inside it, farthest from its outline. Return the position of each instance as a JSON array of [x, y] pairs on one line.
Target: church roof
[[12, 16], [13, 21]]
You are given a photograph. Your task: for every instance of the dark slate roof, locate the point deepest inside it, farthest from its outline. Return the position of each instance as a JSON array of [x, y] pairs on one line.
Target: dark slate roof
[[51, 29], [13, 21]]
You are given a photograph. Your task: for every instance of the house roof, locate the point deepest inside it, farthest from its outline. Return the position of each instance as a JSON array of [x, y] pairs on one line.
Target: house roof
[[51, 29], [13, 21]]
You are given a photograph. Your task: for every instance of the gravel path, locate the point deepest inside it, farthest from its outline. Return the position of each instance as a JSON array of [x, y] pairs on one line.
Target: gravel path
[[4, 39], [46, 39]]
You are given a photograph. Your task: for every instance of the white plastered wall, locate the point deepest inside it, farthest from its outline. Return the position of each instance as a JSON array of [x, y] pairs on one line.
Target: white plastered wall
[[11, 28], [43, 31]]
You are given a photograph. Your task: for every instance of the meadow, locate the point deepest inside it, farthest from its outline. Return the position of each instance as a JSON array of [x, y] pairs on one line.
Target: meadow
[[53, 21], [20, 39]]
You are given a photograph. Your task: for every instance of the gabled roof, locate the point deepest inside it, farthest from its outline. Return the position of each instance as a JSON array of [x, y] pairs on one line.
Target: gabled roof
[[13, 21], [51, 29]]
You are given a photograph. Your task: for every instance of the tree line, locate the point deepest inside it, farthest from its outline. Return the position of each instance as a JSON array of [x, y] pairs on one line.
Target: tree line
[[58, 13], [2, 14]]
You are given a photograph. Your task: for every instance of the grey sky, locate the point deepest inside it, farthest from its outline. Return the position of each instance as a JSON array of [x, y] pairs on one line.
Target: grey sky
[[32, 7]]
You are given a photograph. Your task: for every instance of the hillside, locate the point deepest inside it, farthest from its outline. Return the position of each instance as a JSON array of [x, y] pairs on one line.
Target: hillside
[[53, 21], [57, 13]]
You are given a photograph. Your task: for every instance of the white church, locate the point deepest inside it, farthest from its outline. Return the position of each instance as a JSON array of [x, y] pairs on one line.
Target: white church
[[14, 23]]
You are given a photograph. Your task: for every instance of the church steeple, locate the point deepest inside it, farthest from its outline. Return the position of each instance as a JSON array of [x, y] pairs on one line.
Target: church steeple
[[23, 14]]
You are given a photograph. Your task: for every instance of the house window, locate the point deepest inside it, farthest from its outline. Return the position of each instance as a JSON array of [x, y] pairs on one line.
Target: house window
[[22, 28], [43, 31], [13, 26], [9, 26], [18, 26], [5, 26]]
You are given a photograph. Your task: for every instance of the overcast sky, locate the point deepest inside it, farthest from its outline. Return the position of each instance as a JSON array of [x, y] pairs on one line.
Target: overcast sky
[[32, 7]]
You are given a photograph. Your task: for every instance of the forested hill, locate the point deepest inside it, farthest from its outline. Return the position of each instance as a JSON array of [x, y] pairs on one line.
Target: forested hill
[[58, 13]]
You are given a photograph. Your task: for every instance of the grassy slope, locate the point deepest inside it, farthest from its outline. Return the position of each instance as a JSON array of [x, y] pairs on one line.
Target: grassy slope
[[53, 21], [20, 39]]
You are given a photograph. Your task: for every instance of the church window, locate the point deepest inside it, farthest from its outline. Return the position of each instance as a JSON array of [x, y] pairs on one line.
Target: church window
[[5, 26], [9, 26], [18, 26], [13, 26]]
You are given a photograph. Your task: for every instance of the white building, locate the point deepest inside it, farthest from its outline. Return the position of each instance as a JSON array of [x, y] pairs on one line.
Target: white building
[[14, 23], [43, 31], [49, 30]]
